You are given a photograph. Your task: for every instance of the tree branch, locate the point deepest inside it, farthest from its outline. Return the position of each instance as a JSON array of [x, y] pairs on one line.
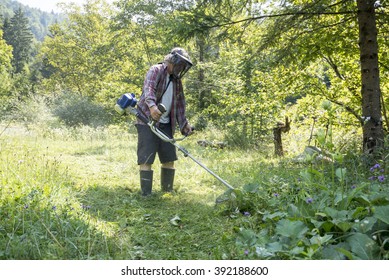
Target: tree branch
[[280, 15]]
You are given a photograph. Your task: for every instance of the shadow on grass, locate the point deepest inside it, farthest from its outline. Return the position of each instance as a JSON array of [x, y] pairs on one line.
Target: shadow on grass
[[113, 223], [162, 226]]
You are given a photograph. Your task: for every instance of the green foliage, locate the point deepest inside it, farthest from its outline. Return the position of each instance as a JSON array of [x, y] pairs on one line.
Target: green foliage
[[319, 212], [42, 113], [5, 77], [38, 210], [76, 110], [83, 55], [39, 21], [18, 34]]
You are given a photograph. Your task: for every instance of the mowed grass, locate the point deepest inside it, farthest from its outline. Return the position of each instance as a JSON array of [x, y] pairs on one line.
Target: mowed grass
[[74, 194]]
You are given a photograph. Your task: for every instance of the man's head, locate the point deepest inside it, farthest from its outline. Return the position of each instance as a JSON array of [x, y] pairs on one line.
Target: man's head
[[180, 62]]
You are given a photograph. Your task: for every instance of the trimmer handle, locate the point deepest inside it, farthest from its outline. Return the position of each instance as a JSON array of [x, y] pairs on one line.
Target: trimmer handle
[[161, 108]]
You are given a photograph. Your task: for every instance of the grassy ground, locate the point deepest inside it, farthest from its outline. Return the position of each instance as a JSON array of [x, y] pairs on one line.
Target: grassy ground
[[74, 194]]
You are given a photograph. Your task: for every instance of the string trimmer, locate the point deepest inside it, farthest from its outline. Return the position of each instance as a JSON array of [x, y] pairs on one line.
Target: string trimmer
[[126, 105]]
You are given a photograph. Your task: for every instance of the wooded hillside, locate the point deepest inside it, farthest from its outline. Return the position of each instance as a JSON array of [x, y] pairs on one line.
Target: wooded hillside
[[39, 21]]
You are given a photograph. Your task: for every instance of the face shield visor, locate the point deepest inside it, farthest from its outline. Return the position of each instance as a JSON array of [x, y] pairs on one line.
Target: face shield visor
[[181, 65]]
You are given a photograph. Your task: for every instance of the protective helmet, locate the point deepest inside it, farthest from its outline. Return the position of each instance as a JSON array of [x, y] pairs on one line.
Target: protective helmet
[[181, 62]]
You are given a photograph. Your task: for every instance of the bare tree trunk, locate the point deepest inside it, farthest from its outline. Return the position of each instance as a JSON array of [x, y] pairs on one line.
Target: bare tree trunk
[[201, 100], [277, 131], [373, 135]]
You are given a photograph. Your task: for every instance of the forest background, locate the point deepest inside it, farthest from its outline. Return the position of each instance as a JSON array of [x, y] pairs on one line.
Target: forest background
[[259, 66]]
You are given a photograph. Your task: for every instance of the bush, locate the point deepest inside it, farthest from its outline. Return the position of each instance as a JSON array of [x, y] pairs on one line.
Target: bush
[[34, 111], [75, 110]]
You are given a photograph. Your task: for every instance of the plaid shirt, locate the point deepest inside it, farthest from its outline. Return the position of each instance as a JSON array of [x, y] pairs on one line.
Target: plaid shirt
[[153, 88]]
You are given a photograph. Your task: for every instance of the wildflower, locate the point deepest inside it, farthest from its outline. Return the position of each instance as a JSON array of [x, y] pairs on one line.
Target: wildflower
[[54, 208], [85, 207], [247, 214], [381, 178], [26, 206], [309, 200], [376, 166], [246, 252], [353, 187], [276, 195], [372, 178]]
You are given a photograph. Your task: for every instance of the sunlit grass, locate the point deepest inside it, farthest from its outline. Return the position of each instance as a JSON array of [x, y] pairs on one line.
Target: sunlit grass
[[75, 195]]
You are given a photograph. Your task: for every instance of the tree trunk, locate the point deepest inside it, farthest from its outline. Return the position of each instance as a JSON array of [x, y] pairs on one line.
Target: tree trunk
[[373, 134], [201, 101], [277, 131]]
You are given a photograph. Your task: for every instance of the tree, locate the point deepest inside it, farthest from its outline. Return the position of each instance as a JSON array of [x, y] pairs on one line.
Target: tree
[[5, 66], [82, 53], [304, 32], [373, 135], [17, 33], [5, 54]]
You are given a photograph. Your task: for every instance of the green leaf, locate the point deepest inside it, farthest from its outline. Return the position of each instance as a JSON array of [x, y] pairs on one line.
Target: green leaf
[[176, 221], [251, 188], [296, 250], [363, 200], [246, 237], [360, 212], [274, 247], [382, 213], [363, 246], [320, 240], [274, 216], [344, 226], [341, 173], [263, 252], [291, 229], [336, 252], [336, 214], [365, 225], [345, 252], [327, 226]]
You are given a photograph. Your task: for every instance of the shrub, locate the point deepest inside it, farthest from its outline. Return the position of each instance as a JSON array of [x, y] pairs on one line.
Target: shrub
[[75, 110]]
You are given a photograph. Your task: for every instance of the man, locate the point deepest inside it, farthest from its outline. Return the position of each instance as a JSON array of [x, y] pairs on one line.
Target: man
[[162, 85]]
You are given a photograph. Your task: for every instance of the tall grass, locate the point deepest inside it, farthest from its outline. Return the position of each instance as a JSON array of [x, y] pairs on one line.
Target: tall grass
[[73, 193]]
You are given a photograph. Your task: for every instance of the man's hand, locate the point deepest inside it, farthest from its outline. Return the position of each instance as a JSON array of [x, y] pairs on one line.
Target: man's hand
[[155, 113], [187, 130]]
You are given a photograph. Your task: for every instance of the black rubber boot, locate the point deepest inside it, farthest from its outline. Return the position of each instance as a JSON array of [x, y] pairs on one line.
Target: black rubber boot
[[146, 181], [167, 179]]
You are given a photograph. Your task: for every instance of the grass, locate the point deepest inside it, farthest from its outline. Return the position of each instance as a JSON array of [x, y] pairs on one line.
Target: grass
[[74, 194]]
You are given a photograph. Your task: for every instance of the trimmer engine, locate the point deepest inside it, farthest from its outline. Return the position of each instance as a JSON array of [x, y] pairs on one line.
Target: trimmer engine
[[126, 104]]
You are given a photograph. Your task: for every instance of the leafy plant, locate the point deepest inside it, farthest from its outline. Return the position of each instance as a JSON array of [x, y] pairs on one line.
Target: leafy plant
[[77, 110], [317, 218]]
